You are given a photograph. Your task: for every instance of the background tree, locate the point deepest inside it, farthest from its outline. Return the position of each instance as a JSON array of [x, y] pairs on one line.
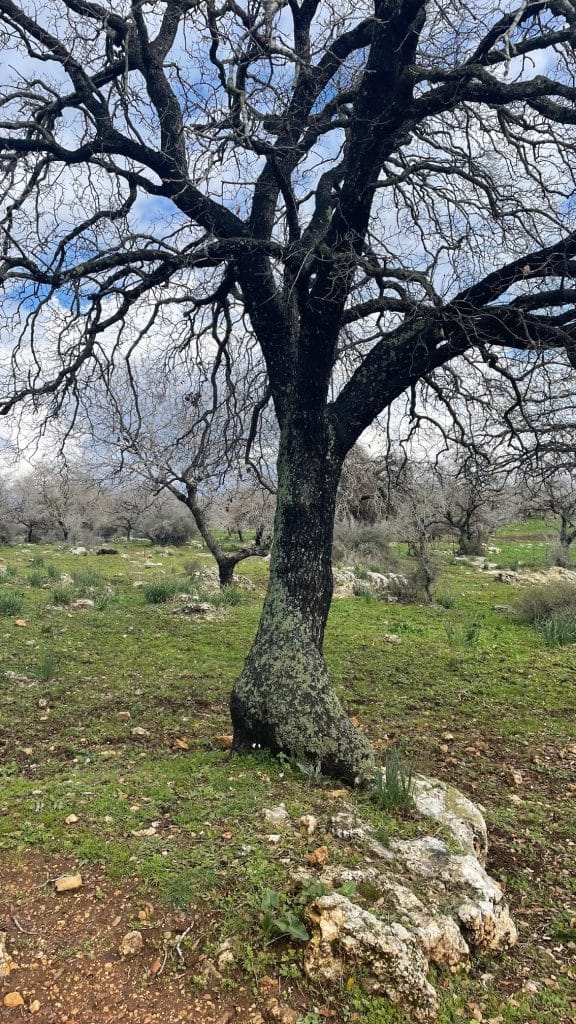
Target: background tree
[[551, 490], [185, 431], [368, 191], [475, 496]]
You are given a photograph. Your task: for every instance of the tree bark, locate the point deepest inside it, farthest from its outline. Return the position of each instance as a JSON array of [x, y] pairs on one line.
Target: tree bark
[[283, 700], [566, 539]]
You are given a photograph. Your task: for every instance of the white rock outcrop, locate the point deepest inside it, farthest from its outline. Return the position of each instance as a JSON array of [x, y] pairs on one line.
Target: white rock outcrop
[[416, 903]]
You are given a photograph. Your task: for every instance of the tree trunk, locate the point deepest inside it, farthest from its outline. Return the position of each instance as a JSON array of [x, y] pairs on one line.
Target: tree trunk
[[283, 700], [566, 538], [226, 571], [470, 543]]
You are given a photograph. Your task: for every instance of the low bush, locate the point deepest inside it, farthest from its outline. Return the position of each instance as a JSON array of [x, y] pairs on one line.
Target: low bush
[[358, 542], [160, 591], [536, 604], [11, 603], [559, 629]]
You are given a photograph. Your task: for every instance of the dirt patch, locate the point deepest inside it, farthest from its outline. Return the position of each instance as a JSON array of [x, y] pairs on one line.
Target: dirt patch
[[65, 955]]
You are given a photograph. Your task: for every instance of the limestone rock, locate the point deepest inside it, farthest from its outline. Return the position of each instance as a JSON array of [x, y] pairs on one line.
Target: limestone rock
[[5, 958], [277, 816], [462, 882], [131, 944], [438, 935], [78, 551], [395, 965], [82, 603], [68, 883], [308, 824], [448, 806]]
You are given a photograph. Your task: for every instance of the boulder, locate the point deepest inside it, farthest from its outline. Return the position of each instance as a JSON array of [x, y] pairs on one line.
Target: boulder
[[448, 806], [392, 961], [464, 888]]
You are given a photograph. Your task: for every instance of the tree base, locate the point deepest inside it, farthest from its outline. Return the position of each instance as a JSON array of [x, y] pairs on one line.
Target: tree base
[[283, 702]]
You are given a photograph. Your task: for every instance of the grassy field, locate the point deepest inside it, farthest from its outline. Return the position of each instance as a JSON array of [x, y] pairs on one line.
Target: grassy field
[[167, 827]]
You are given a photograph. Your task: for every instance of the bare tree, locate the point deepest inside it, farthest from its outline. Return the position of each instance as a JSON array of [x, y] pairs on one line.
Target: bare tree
[[475, 496], [183, 432], [366, 190]]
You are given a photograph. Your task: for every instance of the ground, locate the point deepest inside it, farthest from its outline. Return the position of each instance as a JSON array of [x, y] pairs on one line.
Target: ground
[[167, 829]]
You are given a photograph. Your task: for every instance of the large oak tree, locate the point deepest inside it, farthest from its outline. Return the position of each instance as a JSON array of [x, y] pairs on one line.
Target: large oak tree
[[368, 191]]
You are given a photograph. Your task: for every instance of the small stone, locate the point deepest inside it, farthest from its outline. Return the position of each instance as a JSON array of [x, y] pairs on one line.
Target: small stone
[[277, 815], [5, 959], [67, 883], [123, 716], [181, 744], [274, 839], [35, 1006], [71, 819], [308, 823], [131, 944], [318, 856], [223, 742], [13, 999], [139, 733], [514, 777], [82, 603], [448, 736], [530, 987]]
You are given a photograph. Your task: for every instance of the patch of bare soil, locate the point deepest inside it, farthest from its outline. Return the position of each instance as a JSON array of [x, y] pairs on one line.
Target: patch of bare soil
[[66, 963]]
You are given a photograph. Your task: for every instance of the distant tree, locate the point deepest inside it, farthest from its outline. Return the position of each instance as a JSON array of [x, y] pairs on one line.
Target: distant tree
[[551, 490], [475, 497], [186, 434]]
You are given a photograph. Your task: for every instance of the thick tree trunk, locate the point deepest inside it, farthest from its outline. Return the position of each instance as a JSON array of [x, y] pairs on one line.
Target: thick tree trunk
[[470, 543], [283, 700]]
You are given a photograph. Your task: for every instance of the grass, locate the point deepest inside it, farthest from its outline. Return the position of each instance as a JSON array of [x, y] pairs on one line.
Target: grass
[[11, 603], [462, 668]]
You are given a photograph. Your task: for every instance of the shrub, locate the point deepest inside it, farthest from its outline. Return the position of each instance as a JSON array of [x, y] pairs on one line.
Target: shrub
[[360, 542], [536, 604], [86, 581], [11, 603], [227, 597], [62, 596], [559, 629], [52, 571], [160, 591], [193, 565], [37, 562], [416, 587], [36, 578], [446, 600], [169, 531]]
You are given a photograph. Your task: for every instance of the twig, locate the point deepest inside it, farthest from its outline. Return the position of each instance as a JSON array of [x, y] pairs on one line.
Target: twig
[[25, 931], [181, 939]]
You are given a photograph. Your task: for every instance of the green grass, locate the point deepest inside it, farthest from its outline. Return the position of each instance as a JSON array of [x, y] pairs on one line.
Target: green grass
[[11, 602], [462, 668]]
